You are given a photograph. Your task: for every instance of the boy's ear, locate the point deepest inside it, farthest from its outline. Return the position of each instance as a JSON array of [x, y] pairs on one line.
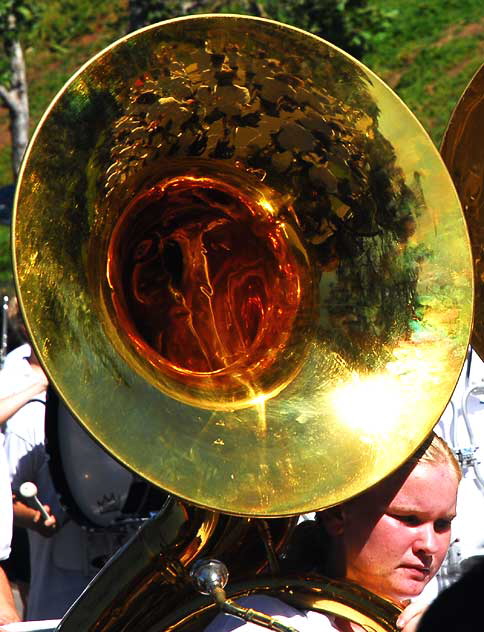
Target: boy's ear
[[332, 520]]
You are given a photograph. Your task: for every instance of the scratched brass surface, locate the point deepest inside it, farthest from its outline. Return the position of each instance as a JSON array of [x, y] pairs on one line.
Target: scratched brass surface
[[463, 153], [290, 332]]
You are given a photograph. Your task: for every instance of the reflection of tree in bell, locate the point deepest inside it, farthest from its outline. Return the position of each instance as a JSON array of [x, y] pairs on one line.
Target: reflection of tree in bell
[[308, 126], [373, 300]]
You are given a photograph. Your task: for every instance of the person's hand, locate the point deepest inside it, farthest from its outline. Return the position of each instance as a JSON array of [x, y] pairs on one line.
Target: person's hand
[[410, 616], [48, 527], [39, 378]]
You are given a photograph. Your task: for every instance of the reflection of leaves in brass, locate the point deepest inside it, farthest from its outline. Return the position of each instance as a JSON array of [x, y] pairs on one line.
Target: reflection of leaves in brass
[[374, 301], [303, 120]]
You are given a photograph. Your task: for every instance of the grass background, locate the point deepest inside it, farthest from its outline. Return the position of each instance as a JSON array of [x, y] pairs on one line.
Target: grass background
[[426, 50], [428, 55]]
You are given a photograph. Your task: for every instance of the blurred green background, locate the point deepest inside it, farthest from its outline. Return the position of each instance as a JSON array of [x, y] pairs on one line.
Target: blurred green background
[[427, 51]]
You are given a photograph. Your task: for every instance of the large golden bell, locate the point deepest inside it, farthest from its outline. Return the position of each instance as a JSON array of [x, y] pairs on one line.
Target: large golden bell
[[243, 264]]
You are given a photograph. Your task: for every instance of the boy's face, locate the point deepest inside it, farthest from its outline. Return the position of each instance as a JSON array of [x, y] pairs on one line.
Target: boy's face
[[395, 537]]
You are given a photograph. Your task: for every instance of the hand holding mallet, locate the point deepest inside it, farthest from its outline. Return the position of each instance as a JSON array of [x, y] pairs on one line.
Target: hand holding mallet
[[29, 490]]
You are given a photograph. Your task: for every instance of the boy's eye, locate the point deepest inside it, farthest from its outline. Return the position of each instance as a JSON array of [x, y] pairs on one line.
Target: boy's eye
[[410, 520], [441, 526]]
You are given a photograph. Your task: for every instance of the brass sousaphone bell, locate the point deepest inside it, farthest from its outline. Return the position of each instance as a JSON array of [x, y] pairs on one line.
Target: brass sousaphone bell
[[244, 267]]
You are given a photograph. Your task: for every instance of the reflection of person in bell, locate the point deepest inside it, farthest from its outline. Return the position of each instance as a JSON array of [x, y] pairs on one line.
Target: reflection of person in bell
[[390, 540]]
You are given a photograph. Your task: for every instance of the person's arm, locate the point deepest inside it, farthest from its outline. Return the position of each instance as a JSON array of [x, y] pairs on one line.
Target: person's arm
[[29, 518], [10, 404], [8, 611]]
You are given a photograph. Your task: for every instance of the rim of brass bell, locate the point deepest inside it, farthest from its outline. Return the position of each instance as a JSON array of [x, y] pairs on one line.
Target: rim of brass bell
[[463, 154], [243, 264]]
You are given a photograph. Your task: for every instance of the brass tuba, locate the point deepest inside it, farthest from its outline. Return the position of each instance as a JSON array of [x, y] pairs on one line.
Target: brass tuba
[[247, 273], [464, 159]]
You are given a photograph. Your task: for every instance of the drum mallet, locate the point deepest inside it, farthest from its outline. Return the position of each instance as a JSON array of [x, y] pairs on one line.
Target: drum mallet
[[29, 490]]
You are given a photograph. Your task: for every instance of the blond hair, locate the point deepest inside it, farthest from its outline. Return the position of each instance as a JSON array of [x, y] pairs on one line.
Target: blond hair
[[436, 451]]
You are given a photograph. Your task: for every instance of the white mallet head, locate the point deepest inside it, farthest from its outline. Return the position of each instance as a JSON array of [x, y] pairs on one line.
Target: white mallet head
[[28, 489]]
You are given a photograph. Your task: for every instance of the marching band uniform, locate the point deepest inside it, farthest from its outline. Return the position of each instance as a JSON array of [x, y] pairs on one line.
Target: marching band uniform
[[60, 565]]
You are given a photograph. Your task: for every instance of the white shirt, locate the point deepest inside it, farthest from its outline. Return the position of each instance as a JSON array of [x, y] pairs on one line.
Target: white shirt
[[10, 382], [17, 373]]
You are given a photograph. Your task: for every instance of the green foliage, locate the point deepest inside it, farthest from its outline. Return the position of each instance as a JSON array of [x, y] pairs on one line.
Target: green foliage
[[65, 20], [144, 12], [5, 258], [353, 25], [25, 13], [428, 54], [422, 23], [17, 18], [57, 37]]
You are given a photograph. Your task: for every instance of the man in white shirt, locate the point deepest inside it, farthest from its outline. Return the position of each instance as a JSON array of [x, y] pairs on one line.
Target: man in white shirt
[[60, 569]]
